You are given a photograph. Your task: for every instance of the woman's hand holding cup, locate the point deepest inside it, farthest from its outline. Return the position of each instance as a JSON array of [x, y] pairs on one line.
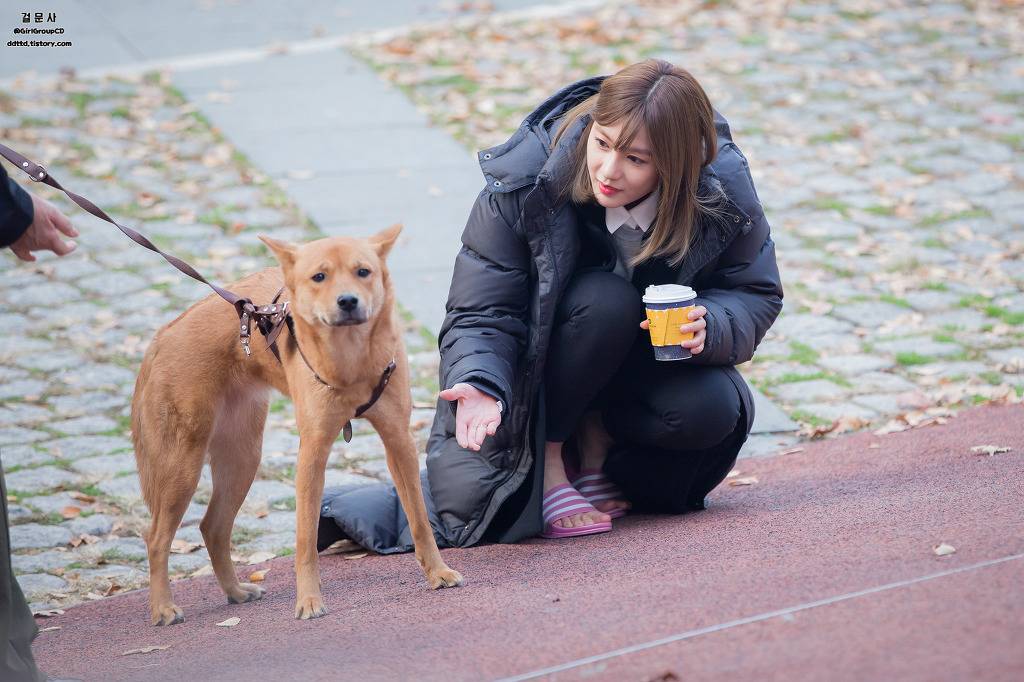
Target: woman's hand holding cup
[[476, 416], [697, 325]]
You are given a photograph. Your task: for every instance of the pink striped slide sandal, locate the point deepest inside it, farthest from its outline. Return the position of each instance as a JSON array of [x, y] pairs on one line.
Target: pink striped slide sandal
[[596, 487], [562, 501]]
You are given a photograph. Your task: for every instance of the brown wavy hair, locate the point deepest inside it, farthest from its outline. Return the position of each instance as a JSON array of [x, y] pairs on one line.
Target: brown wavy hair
[[669, 103]]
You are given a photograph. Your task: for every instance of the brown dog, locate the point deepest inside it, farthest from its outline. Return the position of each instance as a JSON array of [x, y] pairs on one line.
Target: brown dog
[[199, 396]]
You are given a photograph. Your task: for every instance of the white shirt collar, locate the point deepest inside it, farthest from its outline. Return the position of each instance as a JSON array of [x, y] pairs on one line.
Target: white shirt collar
[[642, 215]]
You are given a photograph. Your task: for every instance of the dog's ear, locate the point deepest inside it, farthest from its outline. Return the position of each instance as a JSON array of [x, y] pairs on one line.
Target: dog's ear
[[385, 239], [284, 251]]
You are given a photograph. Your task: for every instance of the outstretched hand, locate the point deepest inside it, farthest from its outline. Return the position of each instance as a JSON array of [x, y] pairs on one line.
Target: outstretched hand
[[698, 326], [48, 223], [476, 416]]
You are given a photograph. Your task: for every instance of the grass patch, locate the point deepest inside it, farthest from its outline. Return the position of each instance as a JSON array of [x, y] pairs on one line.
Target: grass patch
[[829, 204], [881, 210], [943, 338], [284, 505], [240, 536], [909, 359], [286, 551], [991, 377], [279, 405], [802, 353], [936, 286], [1004, 315], [795, 377], [808, 418], [939, 218], [895, 300]]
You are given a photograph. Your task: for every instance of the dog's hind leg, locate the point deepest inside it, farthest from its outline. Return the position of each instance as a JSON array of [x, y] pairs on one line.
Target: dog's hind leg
[[235, 449], [177, 469]]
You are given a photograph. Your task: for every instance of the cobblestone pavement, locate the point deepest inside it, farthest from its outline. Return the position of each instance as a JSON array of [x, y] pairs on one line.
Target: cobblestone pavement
[[78, 326], [885, 140]]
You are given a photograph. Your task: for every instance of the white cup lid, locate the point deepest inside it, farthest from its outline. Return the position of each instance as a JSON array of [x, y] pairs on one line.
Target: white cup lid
[[668, 293]]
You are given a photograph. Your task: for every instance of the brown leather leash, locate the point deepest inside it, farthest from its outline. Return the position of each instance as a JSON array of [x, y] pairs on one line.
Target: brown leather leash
[[270, 320]]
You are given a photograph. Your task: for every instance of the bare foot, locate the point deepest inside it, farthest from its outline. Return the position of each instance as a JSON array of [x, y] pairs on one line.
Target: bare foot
[[554, 474], [594, 443]]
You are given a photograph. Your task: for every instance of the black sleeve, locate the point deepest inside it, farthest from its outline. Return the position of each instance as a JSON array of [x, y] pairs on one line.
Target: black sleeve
[[485, 328], [743, 295], [16, 211]]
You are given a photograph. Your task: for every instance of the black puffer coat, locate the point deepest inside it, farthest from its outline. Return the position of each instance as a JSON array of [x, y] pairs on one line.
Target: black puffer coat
[[520, 247]]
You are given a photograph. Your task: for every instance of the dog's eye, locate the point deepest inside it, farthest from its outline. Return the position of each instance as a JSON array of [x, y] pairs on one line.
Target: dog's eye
[[319, 277], [363, 272]]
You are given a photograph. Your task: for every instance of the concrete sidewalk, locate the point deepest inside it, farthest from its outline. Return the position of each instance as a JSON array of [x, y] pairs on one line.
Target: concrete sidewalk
[[821, 569]]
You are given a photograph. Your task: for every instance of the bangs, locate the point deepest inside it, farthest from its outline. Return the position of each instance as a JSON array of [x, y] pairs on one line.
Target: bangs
[[632, 118]]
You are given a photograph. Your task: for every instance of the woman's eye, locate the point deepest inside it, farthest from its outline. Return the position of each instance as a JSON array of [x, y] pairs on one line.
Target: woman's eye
[[363, 272], [319, 277], [601, 143], [637, 160]]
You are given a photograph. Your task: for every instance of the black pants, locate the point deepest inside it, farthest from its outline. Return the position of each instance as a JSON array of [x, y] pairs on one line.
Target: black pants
[[677, 426], [17, 627]]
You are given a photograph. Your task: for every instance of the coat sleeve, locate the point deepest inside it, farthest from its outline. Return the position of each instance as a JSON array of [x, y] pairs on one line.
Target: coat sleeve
[[743, 294], [485, 327], [16, 210]]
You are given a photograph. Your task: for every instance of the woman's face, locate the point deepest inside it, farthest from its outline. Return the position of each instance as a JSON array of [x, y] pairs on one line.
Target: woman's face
[[619, 176]]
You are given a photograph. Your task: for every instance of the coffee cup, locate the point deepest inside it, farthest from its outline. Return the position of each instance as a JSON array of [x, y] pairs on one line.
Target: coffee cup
[[667, 308]]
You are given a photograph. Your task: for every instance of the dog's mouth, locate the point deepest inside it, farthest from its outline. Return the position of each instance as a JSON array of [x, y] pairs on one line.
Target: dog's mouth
[[346, 318]]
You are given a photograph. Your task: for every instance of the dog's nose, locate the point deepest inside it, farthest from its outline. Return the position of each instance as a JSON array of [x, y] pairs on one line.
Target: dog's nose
[[348, 302]]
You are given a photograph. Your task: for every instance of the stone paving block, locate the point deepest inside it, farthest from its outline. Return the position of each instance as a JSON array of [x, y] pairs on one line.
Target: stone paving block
[[94, 524], [968, 320], [96, 376], [52, 504], [967, 368], [274, 522], [268, 492], [932, 300], [107, 572], [22, 388], [22, 455], [804, 391], [921, 345], [37, 536], [833, 411], [115, 283], [764, 445], [854, 365], [105, 466], [76, 447], [83, 425], [19, 435], [40, 478], [798, 326], [45, 295], [39, 584], [271, 542], [124, 487], [42, 561], [25, 413], [187, 563], [17, 513], [1014, 357], [117, 549], [884, 382], [337, 477], [869, 314]]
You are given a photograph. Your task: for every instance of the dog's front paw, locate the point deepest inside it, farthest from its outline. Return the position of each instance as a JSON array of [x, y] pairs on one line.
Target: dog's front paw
[[310, 607], [443, 577], [247, 593], [166, 614]]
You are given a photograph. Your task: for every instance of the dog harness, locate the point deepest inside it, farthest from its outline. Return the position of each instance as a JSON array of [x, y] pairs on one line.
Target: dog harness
[[269, 319]]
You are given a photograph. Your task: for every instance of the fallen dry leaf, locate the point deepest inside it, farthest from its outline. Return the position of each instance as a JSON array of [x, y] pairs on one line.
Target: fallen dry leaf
[[943, 549], [990, 449], [259, 557], [355, 555], [200, 572], [733, 474], [184, 546], [230, 622], [114, 587], [48, 613], [744, 480], [258, 576], [146, 649], [50, 629], [340, 547], [791, 451], [93, 596], [70, 512]]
